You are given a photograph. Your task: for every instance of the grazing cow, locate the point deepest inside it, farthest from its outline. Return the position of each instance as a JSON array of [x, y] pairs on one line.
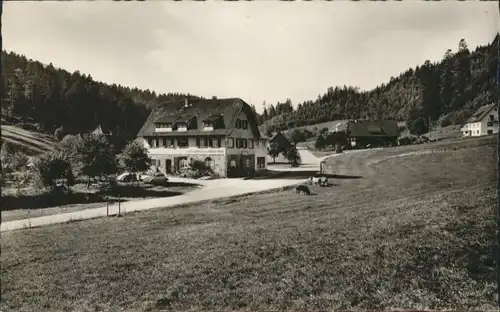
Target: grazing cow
[[302, 189]]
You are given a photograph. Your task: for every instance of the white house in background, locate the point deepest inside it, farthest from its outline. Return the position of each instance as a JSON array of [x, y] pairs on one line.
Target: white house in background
[[223, 133], [483, 122]]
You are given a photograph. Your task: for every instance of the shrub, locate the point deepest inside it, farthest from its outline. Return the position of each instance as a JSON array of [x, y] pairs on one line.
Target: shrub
[[12, 160], [197, 168], [406, 140], [50, 168]]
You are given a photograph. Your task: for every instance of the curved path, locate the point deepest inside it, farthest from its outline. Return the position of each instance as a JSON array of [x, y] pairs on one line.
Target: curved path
[[349, 164], [211, 189]]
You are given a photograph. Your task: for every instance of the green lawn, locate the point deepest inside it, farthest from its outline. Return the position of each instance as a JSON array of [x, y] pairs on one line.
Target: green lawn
[[413, 232]]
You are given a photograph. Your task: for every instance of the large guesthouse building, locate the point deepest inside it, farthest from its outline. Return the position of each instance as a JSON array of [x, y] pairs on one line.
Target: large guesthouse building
[[223, 133]]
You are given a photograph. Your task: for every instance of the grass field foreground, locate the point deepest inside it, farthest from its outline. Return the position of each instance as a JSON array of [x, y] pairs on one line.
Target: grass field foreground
[[414, 232]]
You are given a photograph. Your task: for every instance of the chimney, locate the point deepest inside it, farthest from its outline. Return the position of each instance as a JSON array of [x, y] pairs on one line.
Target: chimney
[[214, 97], [186, 102]]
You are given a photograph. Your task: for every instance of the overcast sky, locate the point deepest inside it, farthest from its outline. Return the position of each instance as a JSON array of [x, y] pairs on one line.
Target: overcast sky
[[260, 50]]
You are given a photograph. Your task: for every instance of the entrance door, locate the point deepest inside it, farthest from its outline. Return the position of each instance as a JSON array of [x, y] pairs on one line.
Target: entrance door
[[168, 165]]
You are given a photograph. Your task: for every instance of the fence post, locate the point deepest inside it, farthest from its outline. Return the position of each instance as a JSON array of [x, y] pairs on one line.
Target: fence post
[[107, 206], [119, 204]]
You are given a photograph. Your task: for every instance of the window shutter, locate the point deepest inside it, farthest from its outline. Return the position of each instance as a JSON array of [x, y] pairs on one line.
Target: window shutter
[[251, 143]]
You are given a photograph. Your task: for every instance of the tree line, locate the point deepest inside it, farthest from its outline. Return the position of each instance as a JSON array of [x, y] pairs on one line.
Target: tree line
[[51, 98], [445, 92], [89, 156]]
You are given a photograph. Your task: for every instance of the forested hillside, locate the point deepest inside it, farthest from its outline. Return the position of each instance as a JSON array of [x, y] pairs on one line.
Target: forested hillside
[[448, 92], [49, 98]]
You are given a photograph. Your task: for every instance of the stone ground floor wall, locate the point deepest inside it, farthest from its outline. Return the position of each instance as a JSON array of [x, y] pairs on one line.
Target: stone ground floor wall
[[216, 162]]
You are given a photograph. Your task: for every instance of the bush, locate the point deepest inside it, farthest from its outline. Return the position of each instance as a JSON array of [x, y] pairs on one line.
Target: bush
[[12, 160], [51, 168], [196, 169], [406, 140]]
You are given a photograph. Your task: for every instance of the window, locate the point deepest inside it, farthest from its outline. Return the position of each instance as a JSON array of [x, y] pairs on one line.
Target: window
[[165, 142], [261, 162], [244, 143], [490, 132], [238, 123], [150, 142], [492, 117], [477, 132], [207, 142], [244, 124], [230, 142], [171, 143], [208, 162], [182, 142], [198, 143], [251, 143], [183, 162], [257, 141], [219, 142]]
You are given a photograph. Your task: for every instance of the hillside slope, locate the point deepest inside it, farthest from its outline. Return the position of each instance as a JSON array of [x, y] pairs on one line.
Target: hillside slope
[[29, 142], [448, 92]]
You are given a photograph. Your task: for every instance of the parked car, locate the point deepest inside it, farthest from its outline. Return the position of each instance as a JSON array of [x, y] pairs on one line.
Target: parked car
[[156, 179], [126, 177]]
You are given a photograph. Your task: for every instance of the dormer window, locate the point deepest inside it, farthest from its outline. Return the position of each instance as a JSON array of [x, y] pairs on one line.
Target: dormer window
[[208, 126], [163, 127], [181, 126], [238, 123]]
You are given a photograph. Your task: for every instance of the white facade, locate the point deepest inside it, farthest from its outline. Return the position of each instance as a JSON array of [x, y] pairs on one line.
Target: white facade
[[487, 125], [239, 146]]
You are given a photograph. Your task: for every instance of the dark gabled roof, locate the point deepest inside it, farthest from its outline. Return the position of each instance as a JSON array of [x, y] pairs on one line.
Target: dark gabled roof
[[185, 118], [166, 119], [481, 113], [204, 108], [373, 128], [212, 117]]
